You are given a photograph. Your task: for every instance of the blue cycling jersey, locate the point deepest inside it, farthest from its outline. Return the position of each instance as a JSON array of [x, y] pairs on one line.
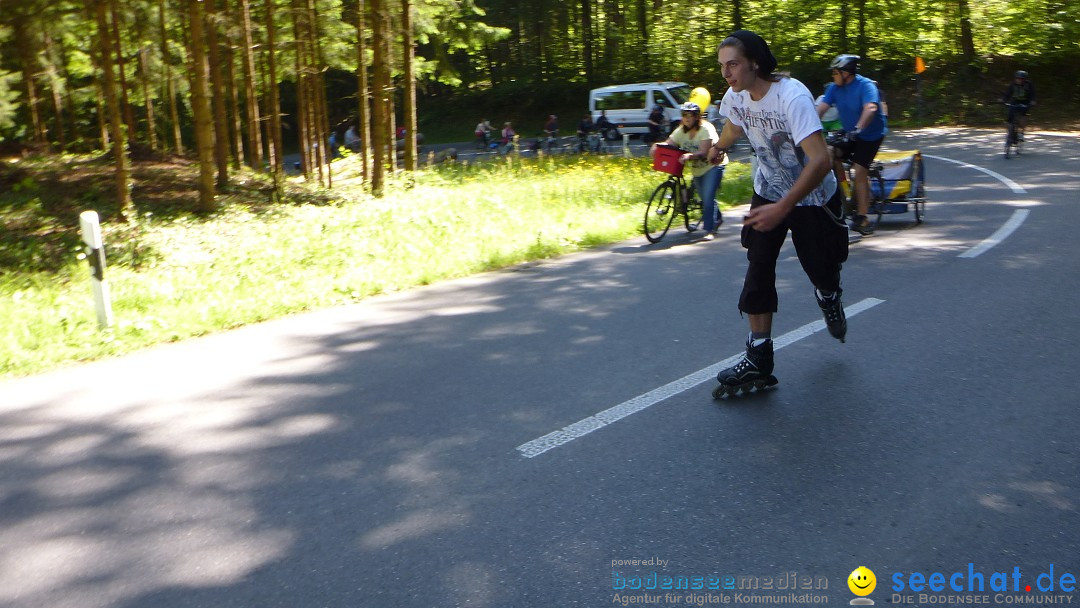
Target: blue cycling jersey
[[849, 101]]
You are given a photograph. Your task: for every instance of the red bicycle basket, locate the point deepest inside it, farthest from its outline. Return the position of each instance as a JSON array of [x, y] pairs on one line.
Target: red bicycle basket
[[667, 160]]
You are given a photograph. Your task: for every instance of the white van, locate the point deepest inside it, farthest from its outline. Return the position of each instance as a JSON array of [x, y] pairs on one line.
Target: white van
[[628, 105]]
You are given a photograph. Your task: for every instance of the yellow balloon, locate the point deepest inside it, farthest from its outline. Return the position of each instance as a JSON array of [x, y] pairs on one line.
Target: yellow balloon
[[701, 97]]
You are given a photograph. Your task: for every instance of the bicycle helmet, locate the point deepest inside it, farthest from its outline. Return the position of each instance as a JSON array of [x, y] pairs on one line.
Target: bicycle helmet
[[848, 63], [1020, 74], [690, 107]]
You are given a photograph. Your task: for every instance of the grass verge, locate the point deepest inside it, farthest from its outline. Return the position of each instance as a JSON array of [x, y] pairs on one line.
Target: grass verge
[[176, 275]]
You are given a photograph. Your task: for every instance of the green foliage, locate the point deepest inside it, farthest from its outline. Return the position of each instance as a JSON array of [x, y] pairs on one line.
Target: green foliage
[[518, 59], [8, 94]]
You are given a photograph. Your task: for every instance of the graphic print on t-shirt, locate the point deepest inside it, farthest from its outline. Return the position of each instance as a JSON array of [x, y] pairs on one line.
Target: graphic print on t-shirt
[[775, 125], [780, 160]]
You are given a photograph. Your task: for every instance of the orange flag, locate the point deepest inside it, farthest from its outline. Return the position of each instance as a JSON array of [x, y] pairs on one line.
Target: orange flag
[[920, 67]]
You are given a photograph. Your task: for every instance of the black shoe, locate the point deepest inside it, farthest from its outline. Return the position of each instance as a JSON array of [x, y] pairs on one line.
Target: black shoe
[[862, 225], [833, 311]]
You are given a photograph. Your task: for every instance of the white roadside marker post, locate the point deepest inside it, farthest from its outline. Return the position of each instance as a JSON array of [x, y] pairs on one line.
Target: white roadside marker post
[[95, 254]]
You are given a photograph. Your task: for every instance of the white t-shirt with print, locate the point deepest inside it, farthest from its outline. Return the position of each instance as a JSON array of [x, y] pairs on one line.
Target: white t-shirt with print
[[775, 125]]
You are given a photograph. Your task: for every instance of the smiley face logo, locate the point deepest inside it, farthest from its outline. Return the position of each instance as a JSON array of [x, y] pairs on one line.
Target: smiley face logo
[[862, 581]]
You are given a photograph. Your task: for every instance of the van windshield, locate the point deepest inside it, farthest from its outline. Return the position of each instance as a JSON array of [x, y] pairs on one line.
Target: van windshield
[[681, 93]]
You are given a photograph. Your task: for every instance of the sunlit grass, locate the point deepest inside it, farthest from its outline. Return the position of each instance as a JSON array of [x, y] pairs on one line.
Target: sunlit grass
[[245, 264]]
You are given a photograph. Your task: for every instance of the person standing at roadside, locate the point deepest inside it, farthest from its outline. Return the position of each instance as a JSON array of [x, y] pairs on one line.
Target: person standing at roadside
[[857, 100], [794, 190], [656, 120]]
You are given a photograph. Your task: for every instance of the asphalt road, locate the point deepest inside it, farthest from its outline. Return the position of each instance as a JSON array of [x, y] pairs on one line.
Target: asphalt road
[[369, 455]]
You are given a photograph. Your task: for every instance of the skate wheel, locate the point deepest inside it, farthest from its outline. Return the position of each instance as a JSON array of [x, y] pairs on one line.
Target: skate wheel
[[718, 392], [745, 388]]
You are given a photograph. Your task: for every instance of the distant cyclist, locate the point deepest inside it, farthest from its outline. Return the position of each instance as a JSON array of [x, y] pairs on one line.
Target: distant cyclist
[[857, 100], [585, 127], [1020, 96]]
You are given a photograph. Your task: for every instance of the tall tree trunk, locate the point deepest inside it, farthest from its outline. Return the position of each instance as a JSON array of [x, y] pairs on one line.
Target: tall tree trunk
[[303, 108], [587, 35], [390, 126], [967, 41], [99, 85], [55, 85], [363, 96], [236, 127], [274, 110], [612, 25], [119, 145], [251, 103], [842, 36], [306, 49], [409, 85], [148, 102], [217, 82], [322, 115], [736, 14], [200, 106], [64, 62], [862, 28], [27, 57], [380, 91], [121, 70], [170, 84], [643, 29]]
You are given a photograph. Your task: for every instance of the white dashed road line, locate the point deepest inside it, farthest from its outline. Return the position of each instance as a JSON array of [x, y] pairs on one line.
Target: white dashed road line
[[632, 406]]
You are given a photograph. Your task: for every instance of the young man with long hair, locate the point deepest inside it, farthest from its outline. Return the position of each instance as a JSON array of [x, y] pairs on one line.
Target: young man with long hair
[[794, 190]]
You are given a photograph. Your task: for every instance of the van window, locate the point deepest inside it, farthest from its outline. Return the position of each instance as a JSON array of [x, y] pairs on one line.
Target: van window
[[621, 100], [681, 94]]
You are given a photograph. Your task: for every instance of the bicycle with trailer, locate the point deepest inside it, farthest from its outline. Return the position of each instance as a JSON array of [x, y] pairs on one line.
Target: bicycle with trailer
[[1014, 134], [672, 197], [897, 183]]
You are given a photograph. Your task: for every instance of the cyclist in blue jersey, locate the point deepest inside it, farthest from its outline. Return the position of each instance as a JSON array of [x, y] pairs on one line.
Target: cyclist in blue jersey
[[857, 100]]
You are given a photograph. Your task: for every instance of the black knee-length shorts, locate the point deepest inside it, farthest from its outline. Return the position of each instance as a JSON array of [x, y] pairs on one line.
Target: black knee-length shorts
[[821, 243]]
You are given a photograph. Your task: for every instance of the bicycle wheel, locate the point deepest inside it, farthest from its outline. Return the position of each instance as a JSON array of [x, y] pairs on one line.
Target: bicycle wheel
[[693, 212], [660, 211], [1010, 137]]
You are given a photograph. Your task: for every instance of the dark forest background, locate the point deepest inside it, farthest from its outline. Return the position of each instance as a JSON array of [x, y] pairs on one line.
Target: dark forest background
[[236, 82]]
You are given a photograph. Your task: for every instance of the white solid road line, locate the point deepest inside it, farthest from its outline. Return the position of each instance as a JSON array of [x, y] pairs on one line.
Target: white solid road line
[[1014, 222], [1001, 234], [1015, 187], [632, 406]]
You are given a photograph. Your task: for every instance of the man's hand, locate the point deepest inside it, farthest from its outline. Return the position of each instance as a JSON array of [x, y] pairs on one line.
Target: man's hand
[[715, 155], [765, 217]]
